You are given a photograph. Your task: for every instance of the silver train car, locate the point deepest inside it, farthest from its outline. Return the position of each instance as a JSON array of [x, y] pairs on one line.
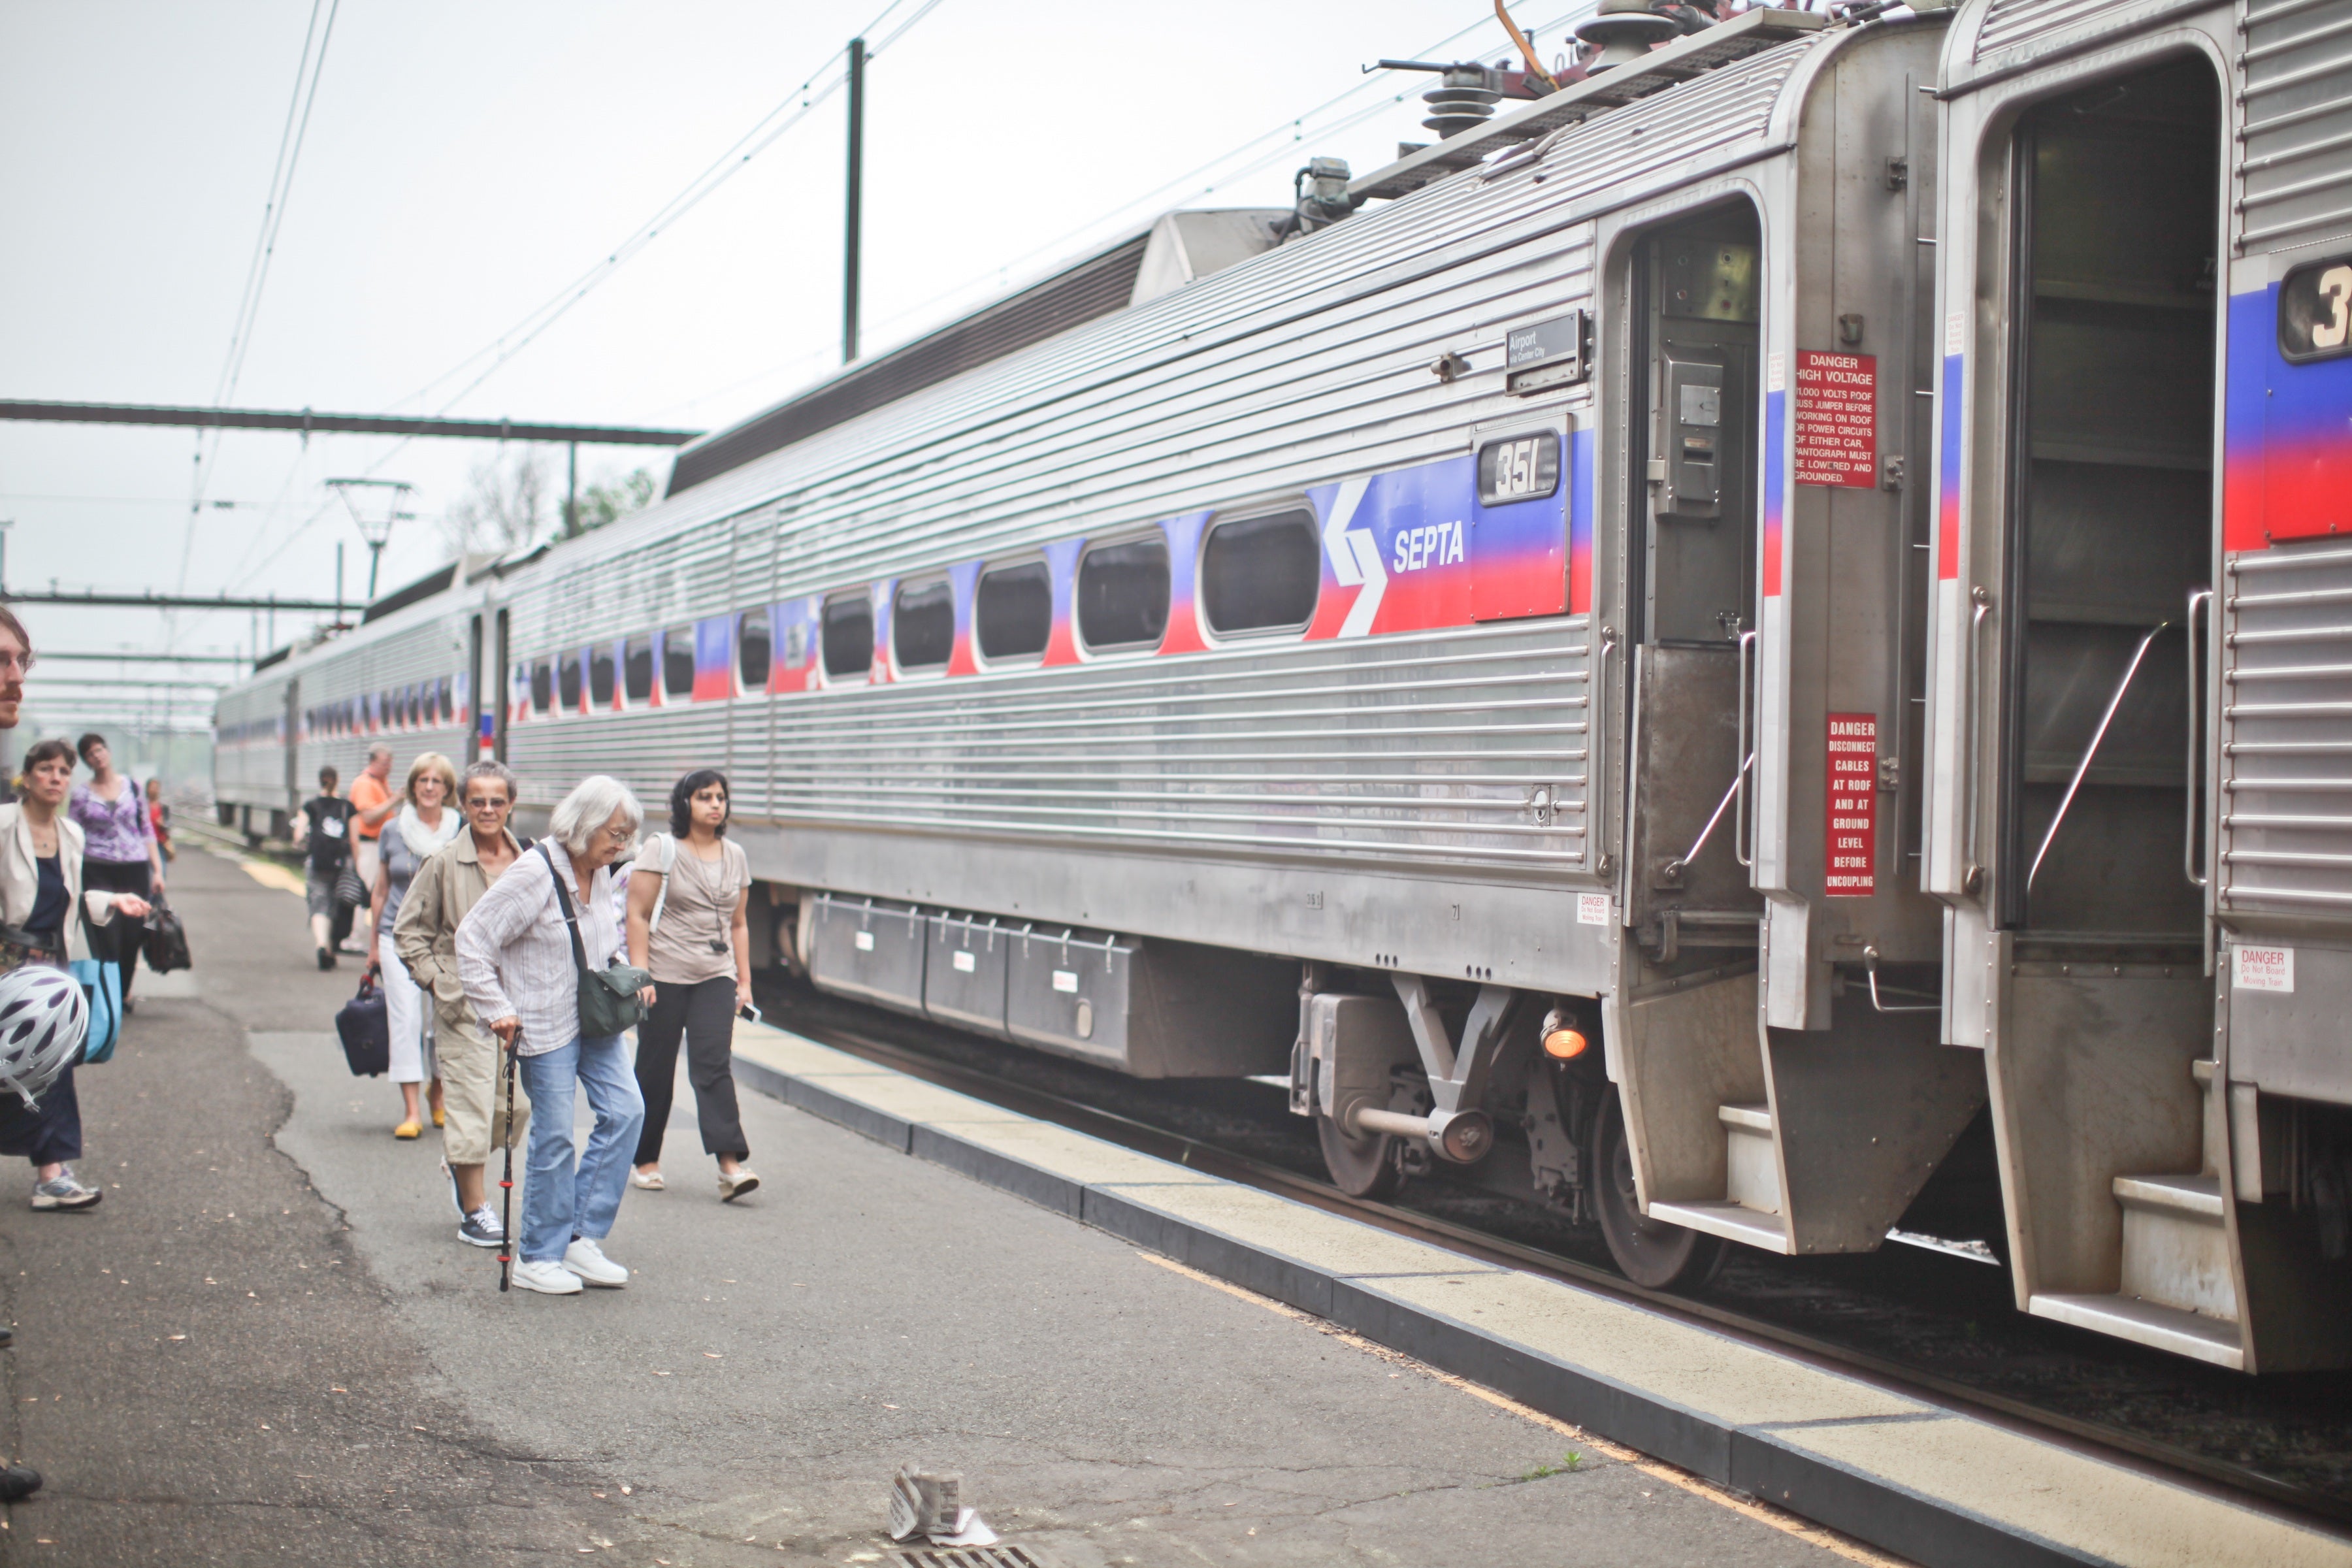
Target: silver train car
[[1533, 663]]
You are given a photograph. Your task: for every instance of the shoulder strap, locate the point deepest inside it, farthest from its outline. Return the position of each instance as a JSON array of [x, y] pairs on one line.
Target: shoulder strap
[[564, 901]]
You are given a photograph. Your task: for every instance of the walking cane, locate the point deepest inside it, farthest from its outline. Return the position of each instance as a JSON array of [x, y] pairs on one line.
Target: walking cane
[[506, 1136]]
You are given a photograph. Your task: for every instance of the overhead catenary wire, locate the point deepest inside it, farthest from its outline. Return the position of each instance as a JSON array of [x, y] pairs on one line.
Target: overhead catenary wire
[[308, 71], [796, 107], [1296, 129]]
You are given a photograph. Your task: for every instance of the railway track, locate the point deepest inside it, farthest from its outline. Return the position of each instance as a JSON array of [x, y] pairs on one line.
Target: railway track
[[2304, 1414]]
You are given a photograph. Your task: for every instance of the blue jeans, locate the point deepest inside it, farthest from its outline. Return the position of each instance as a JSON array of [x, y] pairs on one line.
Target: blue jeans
[[559, 1202]]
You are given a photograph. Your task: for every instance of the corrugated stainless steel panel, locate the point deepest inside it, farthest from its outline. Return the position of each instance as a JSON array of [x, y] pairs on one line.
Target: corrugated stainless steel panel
[[1466, 748], [2286, 731], [2010, 23], [2294, 165]]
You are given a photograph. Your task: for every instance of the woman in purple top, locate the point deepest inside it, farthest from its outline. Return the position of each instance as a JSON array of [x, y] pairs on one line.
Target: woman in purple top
[[119, 855]]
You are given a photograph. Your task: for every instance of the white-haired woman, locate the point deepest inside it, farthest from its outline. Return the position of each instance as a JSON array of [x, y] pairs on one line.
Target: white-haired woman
[[516, 960]]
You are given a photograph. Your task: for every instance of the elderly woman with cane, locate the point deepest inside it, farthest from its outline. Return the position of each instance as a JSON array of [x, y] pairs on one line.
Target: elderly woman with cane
[[534, 955]]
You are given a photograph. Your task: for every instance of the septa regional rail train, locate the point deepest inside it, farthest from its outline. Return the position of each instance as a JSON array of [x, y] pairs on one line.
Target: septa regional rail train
[[1817, 559]]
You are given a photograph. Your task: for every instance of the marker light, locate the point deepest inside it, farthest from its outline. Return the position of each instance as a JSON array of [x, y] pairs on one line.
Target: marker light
[[1563, 1044], [1562, 1041]]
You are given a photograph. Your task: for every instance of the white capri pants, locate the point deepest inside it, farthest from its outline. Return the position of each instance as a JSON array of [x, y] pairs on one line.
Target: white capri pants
[[409, 1013]]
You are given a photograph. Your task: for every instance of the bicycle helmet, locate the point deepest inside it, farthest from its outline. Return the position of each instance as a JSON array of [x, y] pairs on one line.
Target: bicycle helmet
[[43, 1022]]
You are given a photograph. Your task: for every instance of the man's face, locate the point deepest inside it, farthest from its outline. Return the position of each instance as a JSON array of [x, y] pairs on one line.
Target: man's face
[[487, 807], [12, 659], [380, 765]]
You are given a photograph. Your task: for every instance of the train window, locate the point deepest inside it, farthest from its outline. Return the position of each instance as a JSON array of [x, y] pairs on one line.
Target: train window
[[922, 627], [1123, 594], [413, 705], [848, 636], [387, 711], [751, 648], [638, 670], [567, 680], [678, 662], [1262, 573], [446, 700], [600, 676], [543, 687], [1012, 614]]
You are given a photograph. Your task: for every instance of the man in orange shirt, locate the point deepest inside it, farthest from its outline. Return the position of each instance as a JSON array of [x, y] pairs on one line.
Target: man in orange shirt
[[372, 804]]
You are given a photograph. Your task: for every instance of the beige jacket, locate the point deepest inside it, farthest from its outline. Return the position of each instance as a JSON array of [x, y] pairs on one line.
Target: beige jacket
[[445, 888], [20, 875]]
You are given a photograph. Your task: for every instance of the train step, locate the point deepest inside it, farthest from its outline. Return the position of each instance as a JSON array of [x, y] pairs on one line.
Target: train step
[[2148, 1323], [1751, 1166]]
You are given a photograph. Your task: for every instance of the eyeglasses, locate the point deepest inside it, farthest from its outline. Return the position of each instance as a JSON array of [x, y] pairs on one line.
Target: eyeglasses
[[620, 835], [17, 663], [472, 804]]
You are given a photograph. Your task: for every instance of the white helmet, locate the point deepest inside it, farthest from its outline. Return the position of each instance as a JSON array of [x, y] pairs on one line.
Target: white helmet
[[43, 1022]]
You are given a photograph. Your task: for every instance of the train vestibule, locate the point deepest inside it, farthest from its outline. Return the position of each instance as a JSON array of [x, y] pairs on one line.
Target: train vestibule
[[1772, 1036]]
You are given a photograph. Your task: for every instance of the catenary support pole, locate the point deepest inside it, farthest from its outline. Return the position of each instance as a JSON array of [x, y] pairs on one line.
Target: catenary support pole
[[571, 495], [855, 216]]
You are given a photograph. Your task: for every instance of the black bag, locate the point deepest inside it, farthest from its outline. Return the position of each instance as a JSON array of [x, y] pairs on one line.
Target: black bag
[[166, 941], [350, 891], [609, 1001], [366, 1031]]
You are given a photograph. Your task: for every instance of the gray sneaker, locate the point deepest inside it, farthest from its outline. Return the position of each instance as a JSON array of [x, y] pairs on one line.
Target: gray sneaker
[[481, 1228], [65, 1190]]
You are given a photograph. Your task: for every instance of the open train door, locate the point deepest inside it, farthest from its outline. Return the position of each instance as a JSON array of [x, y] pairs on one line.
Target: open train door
[[1682, 1027], [2079, 513]]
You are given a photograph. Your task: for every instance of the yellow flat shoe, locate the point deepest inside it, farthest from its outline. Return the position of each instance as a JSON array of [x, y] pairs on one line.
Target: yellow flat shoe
[[440, 1118], [409, 1130]]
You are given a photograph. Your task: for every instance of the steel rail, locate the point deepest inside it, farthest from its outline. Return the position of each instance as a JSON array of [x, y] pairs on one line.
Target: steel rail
[[1211, 1160]]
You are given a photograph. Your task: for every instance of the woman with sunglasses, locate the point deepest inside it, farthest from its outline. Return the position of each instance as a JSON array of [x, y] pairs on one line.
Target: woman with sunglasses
[[688, 894]]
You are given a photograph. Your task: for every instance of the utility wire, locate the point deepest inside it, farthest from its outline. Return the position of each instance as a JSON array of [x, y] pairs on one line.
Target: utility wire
[[1295, 127], [308, 69], [796, 107]]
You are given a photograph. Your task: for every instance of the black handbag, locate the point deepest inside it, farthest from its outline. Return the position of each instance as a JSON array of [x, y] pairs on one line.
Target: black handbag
[[350, 891], [166, 941], [609, 1001], [366, 1031]]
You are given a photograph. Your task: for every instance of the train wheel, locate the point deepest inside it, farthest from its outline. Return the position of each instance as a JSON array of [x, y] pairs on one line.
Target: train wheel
[[1360, 1167], [1651, 1252]]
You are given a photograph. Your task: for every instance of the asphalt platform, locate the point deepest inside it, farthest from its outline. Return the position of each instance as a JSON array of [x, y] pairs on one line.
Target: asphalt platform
[[266, 1345]]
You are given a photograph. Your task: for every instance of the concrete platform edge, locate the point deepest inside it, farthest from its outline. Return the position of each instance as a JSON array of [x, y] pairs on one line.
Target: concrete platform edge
[[1934, 1531]]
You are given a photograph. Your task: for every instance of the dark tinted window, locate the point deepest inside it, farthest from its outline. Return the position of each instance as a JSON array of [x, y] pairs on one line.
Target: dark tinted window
[[1261, 573], [1123, 594], [848, 637], [413, 700], [543, 687], [922, 627], [600, 676], [637, 668], [751, 648], [678, 662], [1012, 614], [447, 701], [567, 680]]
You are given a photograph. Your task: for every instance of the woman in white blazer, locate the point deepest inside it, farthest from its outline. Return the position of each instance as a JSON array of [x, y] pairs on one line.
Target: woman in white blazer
[[41, 902]]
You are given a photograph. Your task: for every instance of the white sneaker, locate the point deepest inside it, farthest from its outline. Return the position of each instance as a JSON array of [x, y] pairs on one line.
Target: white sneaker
[[587, 1259], [547, 1278]]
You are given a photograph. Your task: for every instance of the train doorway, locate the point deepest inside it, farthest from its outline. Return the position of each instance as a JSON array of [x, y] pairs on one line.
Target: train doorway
[[2111, 514], [1691, 593], [2101, 1021]]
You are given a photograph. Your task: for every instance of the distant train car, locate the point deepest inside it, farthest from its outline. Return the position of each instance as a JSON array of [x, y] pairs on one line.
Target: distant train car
[[1474, 660]]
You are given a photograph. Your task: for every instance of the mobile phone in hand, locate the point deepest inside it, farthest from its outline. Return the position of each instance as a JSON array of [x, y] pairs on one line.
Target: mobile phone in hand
[[749, 1011]]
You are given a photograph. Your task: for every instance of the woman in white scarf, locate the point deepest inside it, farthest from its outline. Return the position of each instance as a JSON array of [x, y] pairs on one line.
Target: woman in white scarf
[[424, 825]]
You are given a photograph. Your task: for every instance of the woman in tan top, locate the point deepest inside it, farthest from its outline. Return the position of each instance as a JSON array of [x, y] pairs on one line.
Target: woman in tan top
[[688, 893]]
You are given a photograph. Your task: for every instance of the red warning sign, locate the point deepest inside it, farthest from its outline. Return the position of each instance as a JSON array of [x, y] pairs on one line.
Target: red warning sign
[[1837, 419], [1854, 806]]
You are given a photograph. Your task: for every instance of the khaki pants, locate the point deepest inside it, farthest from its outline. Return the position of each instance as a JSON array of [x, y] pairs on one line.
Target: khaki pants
[[471, 1074]]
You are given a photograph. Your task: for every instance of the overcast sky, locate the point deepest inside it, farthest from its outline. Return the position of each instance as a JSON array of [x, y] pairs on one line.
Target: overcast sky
[[463, 162]]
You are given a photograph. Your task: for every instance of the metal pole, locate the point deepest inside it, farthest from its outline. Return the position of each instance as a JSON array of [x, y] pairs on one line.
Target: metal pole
[[375, 559], [571, 496], [857, 200], [339, 579]]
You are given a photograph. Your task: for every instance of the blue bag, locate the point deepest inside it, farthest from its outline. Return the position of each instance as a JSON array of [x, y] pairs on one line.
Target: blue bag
[[101, 986]]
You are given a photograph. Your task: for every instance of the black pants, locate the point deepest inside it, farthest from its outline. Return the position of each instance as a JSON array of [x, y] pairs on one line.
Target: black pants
[[117, 942], [49, 1134], [705, 1013]]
